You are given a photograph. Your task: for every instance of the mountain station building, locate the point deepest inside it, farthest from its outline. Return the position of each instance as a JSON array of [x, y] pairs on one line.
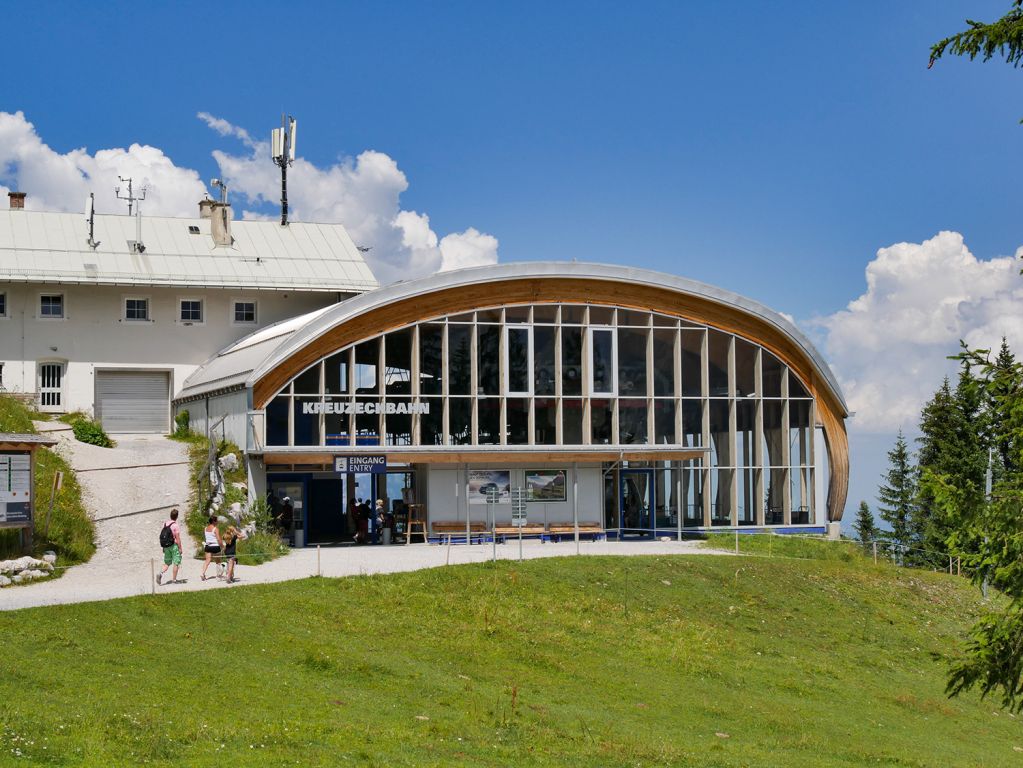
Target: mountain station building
[[631, 402]]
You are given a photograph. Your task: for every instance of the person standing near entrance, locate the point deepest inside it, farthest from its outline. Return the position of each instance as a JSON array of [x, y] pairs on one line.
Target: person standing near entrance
[[170, 541], [213, 543]]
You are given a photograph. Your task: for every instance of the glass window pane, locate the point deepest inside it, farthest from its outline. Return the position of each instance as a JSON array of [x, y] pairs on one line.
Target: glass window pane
[[337, 423], [774, 512], [571, 314], [518, 359], [367, 361], [336, 373], [398, 362], [572, 422], [631, 361], [546, 420], [664, 422], [721, 450], [277, 420], [516, 314], [800, 433], [460, 420], [518, 420], [747, 510], [692, 493], [721, 496], [664, 321], [397, 425], [545, 313], [771, 372], [489, 414], [666, 501], [745, 432], [692, 345], [488, 316], [307, 425], [664, 363], [431, 422], [773, 434], [632, 421], [692, 423], [571, 361], [796, 388], [459, 360], [308, 382], [543, 360], [488, 341], [431, 360], [467, 317], [745, 368], [600, 422], [717, 351], [367, 421], [601, 315], [632, 317], [602, 361]]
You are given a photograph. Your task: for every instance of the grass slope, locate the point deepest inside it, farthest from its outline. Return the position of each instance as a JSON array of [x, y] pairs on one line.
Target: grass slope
[[709, 661], [71, 533]]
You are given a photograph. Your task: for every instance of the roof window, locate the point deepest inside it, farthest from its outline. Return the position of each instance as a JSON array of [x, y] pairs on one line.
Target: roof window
[[193, 230]]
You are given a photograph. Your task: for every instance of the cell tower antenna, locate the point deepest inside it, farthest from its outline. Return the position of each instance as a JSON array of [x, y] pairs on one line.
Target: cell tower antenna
[[282, 150], [89, 218], [136, 245]]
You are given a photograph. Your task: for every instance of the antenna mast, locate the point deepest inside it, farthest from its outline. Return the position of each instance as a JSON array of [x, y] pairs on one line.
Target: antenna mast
[[89, 212], [137, 246], [282, 150]]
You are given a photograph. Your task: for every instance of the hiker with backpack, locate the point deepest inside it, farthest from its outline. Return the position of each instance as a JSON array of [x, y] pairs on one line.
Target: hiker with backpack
[[170, 541]]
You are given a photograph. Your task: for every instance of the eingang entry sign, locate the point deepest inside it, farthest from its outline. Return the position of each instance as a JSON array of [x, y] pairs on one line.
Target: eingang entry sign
[[375, 465]]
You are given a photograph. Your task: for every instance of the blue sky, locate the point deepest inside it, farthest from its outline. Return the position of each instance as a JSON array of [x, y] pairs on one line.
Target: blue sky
[[768, 148]]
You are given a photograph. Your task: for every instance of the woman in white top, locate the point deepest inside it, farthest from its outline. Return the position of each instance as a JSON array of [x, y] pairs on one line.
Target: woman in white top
[[214, 544]]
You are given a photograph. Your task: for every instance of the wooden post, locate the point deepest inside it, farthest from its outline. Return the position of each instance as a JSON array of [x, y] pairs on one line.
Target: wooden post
[[874, 543], [318, 560], [58, 481], [152, 575], [950, 565]]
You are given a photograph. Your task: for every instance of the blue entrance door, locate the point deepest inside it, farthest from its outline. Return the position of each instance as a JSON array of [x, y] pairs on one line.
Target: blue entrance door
[[636, 487]]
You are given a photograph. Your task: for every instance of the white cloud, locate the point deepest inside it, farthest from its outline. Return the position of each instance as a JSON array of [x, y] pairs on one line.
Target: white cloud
[[61, 182], [889, 346], [363, 193]]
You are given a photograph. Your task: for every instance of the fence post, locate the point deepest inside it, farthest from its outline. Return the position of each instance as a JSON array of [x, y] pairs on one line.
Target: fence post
[[875, 551], [959, 566], [950, 565], [317, 559], [152, 575], [736, 541]]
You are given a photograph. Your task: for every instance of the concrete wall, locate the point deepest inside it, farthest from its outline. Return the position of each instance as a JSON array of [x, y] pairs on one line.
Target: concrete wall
[[445, 490], [94, 334]]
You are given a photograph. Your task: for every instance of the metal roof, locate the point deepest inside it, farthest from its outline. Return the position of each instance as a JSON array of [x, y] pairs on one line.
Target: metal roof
[[48, 247], [21, 438], [246, 367]]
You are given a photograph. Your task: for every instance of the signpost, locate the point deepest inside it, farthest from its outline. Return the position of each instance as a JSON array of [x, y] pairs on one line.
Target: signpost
[[16, 490], [360, 465], [493, 495], [519, 498]]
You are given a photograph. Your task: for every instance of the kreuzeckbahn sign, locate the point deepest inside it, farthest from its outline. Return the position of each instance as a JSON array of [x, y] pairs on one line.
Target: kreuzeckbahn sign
[[376, 465]]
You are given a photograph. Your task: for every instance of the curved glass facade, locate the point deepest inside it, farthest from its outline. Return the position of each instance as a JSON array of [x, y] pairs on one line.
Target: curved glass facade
[[573, 375]]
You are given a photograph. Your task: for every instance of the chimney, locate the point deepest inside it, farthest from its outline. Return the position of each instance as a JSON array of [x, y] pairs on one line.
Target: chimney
[[205, 208], [17, 200], [220, 223]]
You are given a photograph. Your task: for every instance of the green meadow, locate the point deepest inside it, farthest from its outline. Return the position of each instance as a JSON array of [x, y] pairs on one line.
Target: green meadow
[[589, 661]]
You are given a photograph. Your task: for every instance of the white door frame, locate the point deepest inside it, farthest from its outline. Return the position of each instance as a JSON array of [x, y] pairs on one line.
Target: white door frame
[[46, 390]]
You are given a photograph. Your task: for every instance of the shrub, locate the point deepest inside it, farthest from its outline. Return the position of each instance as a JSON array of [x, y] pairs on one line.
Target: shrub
[[89, 431], [182, 425]]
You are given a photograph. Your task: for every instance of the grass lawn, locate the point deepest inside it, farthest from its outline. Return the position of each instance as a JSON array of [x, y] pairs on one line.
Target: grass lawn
[[702, 660]]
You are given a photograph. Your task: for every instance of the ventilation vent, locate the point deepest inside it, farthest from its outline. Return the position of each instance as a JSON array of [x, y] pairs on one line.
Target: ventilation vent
[[193, 230]]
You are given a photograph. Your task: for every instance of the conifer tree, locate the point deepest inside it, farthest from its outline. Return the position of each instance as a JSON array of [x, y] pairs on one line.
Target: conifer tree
[[1000, 401], [865, 527], [898, 497]]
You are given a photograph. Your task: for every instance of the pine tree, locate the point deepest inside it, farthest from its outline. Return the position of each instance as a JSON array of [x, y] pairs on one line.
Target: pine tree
[[1000, 400], [898, 497], [865, 527]]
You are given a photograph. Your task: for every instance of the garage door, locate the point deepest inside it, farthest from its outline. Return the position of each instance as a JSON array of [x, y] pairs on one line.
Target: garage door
[[133, 401]]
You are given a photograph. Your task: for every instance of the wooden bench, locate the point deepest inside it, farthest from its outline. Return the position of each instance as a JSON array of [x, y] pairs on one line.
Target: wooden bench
[[451, 529], [505, 531], [562, 530]]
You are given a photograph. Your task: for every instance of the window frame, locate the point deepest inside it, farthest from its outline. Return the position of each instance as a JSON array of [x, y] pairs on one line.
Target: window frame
[[588, 361], [234, 312], [148, 304], [506, 360], [3, 305], [63, 306], [202, 310]]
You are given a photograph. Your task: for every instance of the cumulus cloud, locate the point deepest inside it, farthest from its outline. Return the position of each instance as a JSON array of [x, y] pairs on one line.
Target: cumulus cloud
[[889, 346], [362, 193], [59, 181]]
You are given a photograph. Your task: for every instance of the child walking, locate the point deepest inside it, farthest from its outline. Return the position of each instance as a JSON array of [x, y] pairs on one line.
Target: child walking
[[214, 544], [230, 544]]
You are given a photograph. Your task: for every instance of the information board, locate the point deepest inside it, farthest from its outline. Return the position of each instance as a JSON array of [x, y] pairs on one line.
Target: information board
[[374, 465], [15, 489], [518, 500]]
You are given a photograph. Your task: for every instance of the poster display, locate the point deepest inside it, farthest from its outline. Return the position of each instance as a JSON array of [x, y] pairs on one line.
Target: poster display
[[481, 480], [15, 489], [546, 484]]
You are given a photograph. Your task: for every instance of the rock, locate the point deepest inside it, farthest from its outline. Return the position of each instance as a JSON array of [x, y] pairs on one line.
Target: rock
[[236, 509], [17, 578], [228, 462], [50, 557], [241, 486], [33, 574], [4, 581]]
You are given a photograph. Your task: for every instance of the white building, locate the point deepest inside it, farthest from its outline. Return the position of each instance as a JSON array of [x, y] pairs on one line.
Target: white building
[[112, 322]]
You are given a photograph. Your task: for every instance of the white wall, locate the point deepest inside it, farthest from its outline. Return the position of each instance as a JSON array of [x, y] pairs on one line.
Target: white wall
[[202, 413], [94, 333], [445, 502]]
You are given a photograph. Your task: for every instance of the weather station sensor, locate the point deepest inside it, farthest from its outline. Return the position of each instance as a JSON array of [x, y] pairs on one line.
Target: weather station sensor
[[282, 150], [136, 245]]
